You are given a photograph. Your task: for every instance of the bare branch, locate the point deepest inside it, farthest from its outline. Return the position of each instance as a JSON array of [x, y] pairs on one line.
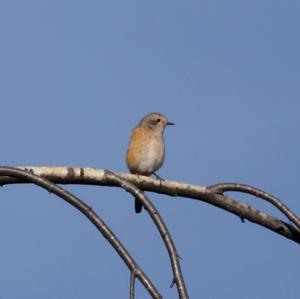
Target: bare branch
[[90, 176], [132, 284], [234, 187], [91, 215], [161, 226]]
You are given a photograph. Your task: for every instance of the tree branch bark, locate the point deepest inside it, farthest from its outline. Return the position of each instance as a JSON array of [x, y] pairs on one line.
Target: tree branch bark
[[91, 176], [29, 177], [234, 187], [161, 226]]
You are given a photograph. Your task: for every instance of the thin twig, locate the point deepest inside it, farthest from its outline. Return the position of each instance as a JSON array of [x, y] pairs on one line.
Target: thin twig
[[235, 187], [91, 215], [161, 226], [132, 284]]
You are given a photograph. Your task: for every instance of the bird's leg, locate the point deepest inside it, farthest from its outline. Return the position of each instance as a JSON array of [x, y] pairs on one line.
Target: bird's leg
[[161, 180], [158, 178]]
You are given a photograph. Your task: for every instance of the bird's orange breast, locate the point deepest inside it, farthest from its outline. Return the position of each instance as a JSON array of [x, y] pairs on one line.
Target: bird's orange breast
[[145, 153]]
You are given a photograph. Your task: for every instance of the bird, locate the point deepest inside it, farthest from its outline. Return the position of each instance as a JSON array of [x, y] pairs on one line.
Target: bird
[[146, 151]]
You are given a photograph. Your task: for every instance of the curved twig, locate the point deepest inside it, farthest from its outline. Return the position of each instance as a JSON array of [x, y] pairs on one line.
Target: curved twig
[[235, 187], [92, 176], [161, 226], [132, 284], [91, 215]]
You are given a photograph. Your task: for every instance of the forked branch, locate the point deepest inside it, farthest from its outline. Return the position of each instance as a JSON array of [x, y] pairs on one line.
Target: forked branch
[[91, 176], [234, 187], [25, 176], [161, 226]]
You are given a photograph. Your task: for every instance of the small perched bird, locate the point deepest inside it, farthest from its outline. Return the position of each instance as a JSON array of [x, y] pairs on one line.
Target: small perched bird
[[146, 150]]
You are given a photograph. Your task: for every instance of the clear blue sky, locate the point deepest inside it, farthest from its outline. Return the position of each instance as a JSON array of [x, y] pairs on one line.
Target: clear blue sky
[[76, 76]]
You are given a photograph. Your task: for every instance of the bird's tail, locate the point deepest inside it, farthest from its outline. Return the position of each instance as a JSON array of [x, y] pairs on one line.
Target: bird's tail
[[138, 206]]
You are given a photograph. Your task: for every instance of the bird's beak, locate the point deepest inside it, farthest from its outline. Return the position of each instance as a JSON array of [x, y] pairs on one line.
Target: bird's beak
[[170, 123]]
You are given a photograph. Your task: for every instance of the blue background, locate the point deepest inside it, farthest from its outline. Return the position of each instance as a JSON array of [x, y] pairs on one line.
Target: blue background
[[76, 77]]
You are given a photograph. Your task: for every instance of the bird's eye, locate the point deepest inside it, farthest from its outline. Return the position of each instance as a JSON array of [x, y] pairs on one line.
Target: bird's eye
[[158, 120]]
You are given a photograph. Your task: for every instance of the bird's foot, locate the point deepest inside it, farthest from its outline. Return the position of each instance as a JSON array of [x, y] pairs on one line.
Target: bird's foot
[[158, 178]]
